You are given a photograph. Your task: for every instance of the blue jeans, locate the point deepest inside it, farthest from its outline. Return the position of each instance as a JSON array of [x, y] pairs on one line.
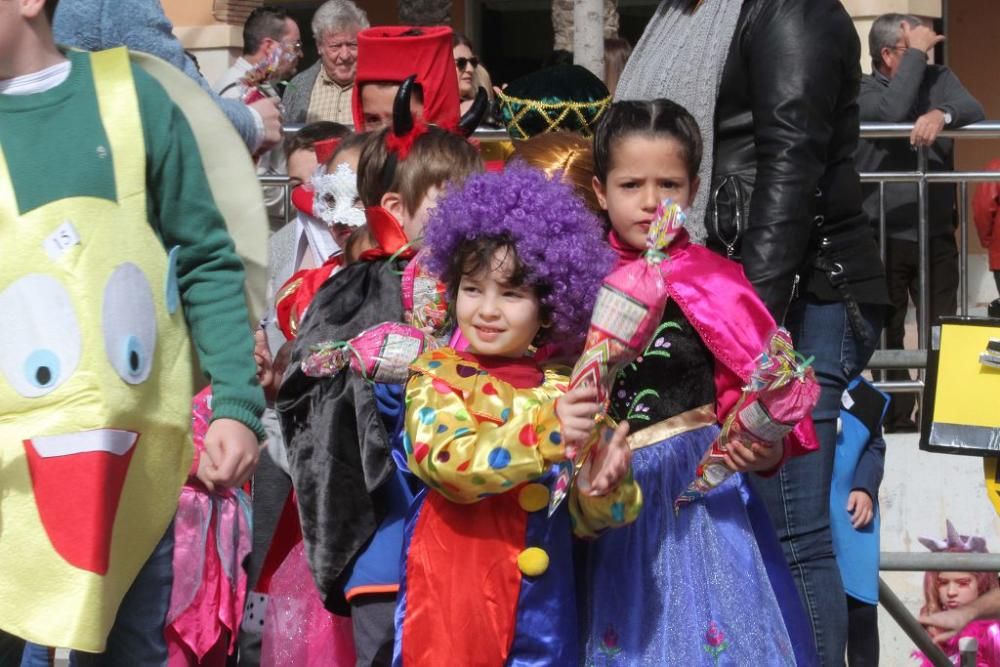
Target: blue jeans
[[136, 639], [798, 497]]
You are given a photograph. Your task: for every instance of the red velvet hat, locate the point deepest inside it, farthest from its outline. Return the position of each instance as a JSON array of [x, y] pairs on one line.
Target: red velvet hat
[[392, 53]]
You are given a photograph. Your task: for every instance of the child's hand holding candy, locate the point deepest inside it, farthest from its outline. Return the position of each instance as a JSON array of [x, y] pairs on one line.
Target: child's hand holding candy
[[609, 463], [576, 411], [752, 457]]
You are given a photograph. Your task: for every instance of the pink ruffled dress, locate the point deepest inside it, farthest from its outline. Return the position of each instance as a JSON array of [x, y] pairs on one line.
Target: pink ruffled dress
[[211, 540], [987, 633], [298, 630]]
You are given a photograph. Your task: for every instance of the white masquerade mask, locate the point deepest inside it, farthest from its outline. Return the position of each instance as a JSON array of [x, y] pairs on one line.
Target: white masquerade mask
[[335, 198]]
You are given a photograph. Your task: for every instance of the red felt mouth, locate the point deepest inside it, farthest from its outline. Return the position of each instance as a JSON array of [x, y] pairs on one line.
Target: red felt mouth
[[78, 480]]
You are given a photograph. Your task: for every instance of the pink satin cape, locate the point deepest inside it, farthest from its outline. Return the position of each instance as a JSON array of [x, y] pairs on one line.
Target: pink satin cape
[[721, 304]]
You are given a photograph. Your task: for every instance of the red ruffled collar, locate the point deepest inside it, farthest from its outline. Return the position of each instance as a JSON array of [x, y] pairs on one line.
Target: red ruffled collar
[[521, 373]]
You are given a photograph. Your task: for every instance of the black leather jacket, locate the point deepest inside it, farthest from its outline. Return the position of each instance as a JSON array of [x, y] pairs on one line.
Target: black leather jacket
[[785, 198]]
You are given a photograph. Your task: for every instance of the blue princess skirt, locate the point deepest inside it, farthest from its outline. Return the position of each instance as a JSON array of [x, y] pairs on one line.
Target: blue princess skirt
[[696, 587]]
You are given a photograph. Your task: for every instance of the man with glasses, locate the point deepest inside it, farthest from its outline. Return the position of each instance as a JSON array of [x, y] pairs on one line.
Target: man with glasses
[[271, 41], [904, 87], [323, 91]]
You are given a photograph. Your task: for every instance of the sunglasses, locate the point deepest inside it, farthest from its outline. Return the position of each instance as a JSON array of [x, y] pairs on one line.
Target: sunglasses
[[460, 63]]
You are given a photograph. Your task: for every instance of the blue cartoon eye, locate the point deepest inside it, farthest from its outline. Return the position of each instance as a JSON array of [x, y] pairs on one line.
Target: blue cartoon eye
[[135, 357], [129, 322], [40, 342], [41, 369]]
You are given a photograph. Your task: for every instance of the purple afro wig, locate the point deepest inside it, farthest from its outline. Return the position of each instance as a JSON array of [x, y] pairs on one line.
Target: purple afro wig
[[558, 241]]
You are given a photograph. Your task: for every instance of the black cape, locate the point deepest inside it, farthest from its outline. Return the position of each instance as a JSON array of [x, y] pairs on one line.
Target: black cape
[[338, 448]]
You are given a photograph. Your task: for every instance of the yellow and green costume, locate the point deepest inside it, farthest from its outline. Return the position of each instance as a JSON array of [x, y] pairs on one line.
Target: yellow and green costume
[[99, 177]]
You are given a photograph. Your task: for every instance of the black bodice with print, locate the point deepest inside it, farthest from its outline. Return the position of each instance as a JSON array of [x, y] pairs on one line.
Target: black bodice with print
[[675, 373]]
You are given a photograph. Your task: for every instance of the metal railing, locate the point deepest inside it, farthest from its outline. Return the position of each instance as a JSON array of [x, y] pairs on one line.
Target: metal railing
[[917, 359]]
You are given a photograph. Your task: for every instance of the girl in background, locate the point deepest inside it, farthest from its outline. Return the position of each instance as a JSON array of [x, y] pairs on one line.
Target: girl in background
[[951, 590]]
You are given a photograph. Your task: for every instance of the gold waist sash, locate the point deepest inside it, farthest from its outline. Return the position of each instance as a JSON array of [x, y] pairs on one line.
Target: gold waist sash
[[686, 421]]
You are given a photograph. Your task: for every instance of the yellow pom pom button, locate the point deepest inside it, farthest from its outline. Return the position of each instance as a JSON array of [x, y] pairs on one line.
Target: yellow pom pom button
[[533, 497], [533, 561]]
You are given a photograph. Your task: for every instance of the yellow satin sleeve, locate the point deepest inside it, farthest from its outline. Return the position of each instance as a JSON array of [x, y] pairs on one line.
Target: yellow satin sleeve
[[589, 515], [470, 435]]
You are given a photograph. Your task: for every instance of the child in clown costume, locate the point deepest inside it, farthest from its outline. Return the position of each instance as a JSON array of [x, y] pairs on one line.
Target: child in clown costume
[[488, 576], [113, 260], [351, 496]]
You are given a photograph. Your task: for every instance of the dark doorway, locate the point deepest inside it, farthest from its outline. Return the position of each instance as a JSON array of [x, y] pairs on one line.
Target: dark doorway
[[516, 35]]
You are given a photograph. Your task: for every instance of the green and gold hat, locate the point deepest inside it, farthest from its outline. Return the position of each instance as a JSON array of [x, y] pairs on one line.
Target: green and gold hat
[[563, 97]]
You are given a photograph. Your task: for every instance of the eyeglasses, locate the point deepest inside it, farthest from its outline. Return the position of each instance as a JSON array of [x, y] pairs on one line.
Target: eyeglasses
[[460, 63], [337, 46], [294, 47]]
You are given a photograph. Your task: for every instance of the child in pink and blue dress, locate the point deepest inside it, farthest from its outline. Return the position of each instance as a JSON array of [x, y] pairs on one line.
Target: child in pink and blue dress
[[955, 590], [707, 584], [488, 576]]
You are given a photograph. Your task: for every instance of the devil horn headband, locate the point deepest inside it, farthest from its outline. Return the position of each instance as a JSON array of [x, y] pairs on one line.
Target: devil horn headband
[[470, 120], [402, 118]]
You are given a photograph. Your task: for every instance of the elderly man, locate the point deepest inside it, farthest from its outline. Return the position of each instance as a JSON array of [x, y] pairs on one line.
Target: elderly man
[[323, 92], [905, 88], [269, 36]]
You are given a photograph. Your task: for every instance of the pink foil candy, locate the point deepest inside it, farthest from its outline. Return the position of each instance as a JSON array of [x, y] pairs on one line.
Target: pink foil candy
[[382, 353], [782, 392], [425, 298], [629, 308]]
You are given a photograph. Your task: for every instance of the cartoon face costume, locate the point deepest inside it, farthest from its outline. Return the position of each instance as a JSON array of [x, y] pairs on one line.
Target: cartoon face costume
[[96, 378]]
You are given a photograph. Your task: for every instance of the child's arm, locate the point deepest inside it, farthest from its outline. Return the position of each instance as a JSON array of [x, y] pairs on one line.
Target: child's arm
[[871, 466], [466, 456], [867, 479], [590, 515], [612, 497], [210, 275], [951, 621]]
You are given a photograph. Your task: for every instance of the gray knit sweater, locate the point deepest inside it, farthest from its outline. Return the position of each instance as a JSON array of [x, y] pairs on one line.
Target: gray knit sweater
[[140, 25]]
